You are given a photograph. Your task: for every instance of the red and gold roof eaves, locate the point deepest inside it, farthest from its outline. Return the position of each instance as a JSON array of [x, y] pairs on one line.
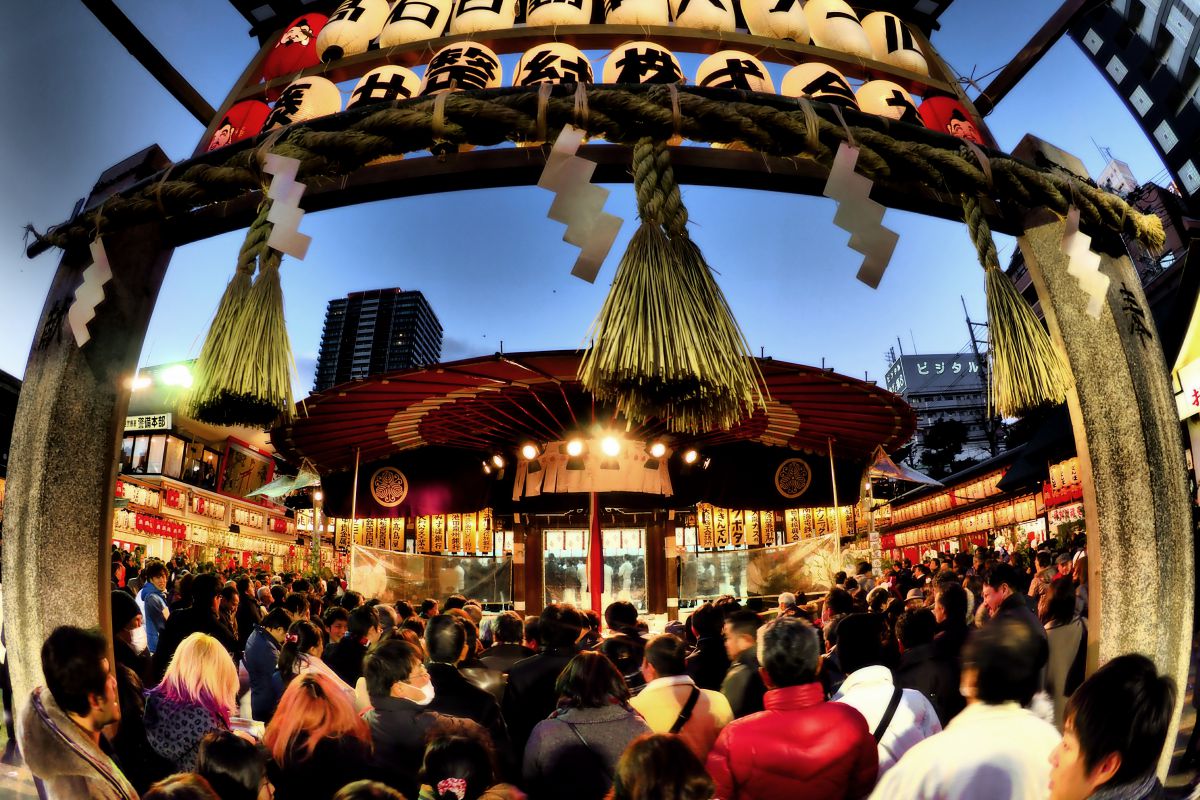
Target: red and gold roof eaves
[[496, 403]]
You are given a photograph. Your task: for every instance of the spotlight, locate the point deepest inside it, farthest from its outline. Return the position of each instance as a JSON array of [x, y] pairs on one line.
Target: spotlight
[[140, 382], [318, 496], [487, 468], [658, 450], [575, 448], [610, 446], [690, 457], [529, 451], [498, 461]]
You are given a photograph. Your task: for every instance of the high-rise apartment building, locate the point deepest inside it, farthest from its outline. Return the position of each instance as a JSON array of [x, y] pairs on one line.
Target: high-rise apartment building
[[1149, 50], [370, 333], [947, 386]]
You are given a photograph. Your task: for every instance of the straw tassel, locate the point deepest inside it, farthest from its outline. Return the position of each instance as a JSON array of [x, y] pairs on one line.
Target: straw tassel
[[665, 344], [1026, 369]]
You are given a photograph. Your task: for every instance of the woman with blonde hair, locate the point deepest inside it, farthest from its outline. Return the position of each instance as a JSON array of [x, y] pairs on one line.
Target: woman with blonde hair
[[197, 695], [317, 742]]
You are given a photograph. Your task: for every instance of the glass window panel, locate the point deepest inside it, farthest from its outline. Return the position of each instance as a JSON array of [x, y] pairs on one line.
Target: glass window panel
[[173, 461], [127, 454], [154, 458], [141, 445], [806, 567]]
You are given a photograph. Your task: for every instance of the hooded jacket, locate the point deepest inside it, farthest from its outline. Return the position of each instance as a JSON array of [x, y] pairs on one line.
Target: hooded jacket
[[64, 757]]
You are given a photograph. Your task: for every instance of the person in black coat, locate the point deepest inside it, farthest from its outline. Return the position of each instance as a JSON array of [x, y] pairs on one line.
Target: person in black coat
[[346, 657], [708, 663], [531, 695], [920, 667], [508, 650], [400, 717], [454, 695], [248, 612], [743, 686], [200, 616]]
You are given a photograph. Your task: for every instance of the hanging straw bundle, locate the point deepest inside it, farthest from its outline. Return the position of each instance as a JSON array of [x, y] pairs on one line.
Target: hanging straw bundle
[[243, 374], [666, 344], [1026, 369]]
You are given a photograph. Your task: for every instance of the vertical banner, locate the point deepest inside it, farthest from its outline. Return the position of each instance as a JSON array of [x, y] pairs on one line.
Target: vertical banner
[[721, 526], [737, 528], [486, 543], [454, 533], [367, 533], [342, 534], [423, 531], [793, 524], [752, 529], [469, 522], [766, 522], [437, 539], [704, 526]]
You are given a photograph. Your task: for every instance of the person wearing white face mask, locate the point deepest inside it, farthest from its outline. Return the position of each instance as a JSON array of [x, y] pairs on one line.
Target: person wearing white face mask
[[400, 691]]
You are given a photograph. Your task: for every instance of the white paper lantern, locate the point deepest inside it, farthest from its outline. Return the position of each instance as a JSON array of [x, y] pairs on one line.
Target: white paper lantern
[[462, 65], [888, 99], [415, 21], [351, 28], [893, 43], [307, 98], [642, 62], [818, 81], [558, 12], [552, 62], [636, 12], [472, 16], [705, 15], [733, 69], [385, 85], [834, 25], [777, 19]]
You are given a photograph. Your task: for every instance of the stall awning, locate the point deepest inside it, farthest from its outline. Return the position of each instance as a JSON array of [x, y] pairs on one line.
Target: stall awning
[[883, 467]]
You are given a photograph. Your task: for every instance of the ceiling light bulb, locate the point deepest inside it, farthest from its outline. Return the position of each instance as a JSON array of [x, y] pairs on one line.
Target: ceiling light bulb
[[530, 452], [575, 448], [658, 450], [690, 457], [610, 446], [498, 460]]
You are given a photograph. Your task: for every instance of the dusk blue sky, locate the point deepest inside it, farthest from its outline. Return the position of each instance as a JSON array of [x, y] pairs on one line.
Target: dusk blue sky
[[491, 263]]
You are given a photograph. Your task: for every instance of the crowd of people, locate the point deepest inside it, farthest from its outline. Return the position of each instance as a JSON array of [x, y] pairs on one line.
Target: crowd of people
[[958, 678]]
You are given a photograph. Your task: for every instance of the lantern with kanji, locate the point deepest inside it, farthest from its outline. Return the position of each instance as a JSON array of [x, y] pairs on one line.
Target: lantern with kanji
[[242, 121], [462, 65], [415, 21], [296, 49], [893, 43], [385, 85], [558, 12], [642, 62], [706, 15], [834, 25], [947, 115], [777, 20], [818, 81], [307, 98], [887, 99], [636, 12], [351, 28], [472, 16], [733, 69], [553, 62]]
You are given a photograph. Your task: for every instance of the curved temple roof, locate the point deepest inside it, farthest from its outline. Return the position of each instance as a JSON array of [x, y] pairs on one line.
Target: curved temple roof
[[496, 403]]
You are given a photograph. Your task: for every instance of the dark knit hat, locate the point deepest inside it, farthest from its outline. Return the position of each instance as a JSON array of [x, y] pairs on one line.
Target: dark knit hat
[[124, 609]]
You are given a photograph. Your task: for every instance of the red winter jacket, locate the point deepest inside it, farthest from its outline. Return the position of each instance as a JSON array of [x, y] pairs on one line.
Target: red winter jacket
[[799, 747]]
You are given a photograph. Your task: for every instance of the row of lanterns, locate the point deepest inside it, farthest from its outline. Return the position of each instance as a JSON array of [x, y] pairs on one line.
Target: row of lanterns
[[359, 25], [470, 65]]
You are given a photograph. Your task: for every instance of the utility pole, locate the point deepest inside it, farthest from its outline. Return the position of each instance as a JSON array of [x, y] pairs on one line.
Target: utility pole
[[989, 420]]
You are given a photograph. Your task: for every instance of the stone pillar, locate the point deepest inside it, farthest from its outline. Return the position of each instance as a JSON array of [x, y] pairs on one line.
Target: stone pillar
[[70, 419], [1131, 460]]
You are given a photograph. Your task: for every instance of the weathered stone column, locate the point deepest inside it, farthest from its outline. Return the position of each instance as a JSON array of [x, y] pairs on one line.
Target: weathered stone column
[[1131, 461], [58, 509]]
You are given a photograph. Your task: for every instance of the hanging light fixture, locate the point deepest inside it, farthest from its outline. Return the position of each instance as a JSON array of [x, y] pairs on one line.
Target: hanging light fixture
[[690, 457], [658, 450], [498, 460], [575, 448], [529, 451], [610, 446]]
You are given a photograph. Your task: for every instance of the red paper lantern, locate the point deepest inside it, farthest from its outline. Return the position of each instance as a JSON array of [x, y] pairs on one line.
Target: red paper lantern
[[244, 120], [296, 50], [947, 115]]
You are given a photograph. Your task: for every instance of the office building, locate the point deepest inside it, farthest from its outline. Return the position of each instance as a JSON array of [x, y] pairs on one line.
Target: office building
[[369, 333], [944, 386]]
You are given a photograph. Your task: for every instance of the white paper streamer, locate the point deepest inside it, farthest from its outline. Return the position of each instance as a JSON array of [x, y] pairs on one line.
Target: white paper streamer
[[285, 213], [861, 216], [89, 294], [1084, 264], [579, 204]]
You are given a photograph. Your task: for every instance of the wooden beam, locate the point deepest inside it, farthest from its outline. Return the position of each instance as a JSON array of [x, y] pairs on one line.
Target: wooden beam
[[1032, 53], [133, 40]]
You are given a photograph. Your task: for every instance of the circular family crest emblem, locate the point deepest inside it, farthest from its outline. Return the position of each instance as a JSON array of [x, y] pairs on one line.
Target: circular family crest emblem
[[792, 478], [389, 487]]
